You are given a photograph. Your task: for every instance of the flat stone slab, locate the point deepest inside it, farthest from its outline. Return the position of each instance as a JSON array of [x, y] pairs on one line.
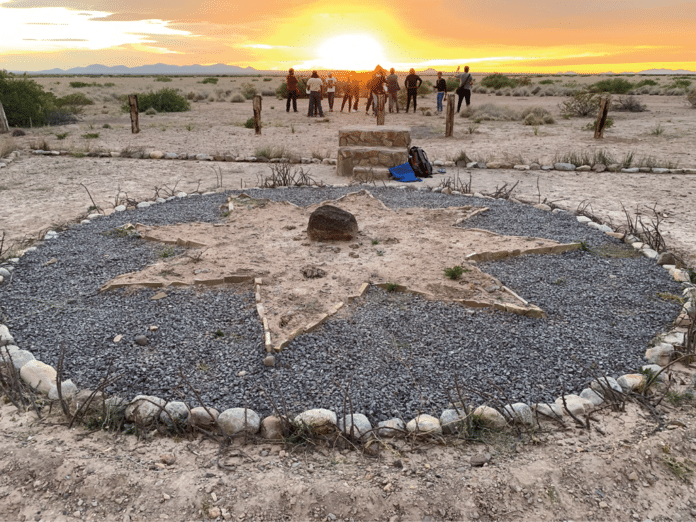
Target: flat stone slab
[[370, 136]]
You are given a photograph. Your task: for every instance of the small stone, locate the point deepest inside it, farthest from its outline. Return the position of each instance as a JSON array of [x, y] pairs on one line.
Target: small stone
[[424, 425], [356, 425], [143, 204], [632, 382], [203, 417], [318, 420], [38, 376], [583, 219], [330, 223], [451, 420], [592, 396], [214, 512], [391, 428], [168, 459], [269, 360], [564, 166], [606, 383], [490, 417], [660, 354], [67, 390], [520, 413], [603, 505], [120, 208], [144, 409], [480, 459], [666, 258], [633, 476], [175, 412], [272, 428], [118, 338], [237, 420], [156, 154], [140, 339]]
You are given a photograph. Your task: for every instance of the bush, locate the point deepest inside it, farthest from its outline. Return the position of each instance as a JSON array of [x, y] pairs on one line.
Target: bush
[[238, 98], [691, 97], [163, 79], [679, 83], [613, 86], [580, 103], [248, 91], [628, 104], [499, 81], [536, 116], [209, 80], [79, 85], [643, 83], [268, 79], [250, 123], [490, 112], [164, 100], [73, 100], [546, 82], [25, 102], [282, 91], [452, 85], [425, 88]]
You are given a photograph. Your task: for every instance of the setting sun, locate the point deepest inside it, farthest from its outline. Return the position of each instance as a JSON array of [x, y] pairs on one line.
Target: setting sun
[[350, 52]]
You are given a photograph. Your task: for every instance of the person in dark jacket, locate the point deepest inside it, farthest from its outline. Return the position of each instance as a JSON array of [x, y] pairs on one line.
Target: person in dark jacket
[[348, 93], [393, 90], [441, 86], [412, 82], [292, 83]]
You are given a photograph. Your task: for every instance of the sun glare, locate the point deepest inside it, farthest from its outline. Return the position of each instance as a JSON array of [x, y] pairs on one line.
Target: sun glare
[[350, 52]]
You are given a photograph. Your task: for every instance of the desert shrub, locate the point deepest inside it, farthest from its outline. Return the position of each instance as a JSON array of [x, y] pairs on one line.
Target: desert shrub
[[546, 82], [607, 125], [425, 88], [628, 104], [499, 81], [679, 83], [268, 93], [268, 79], [524, 81], [452, 85], [164, 100], [520, 92], [536, 115], [163, 79], [151, 112], [238, 98], [191, 95], [209, 80], [691, 97], [25, 102], [282, 91], [269, 151], [490, 112], [536, 90], [580, 103], [612, 85], [75, 99], [109, 84], [79, 85], [250, 123], [645, 82], [248, 91]]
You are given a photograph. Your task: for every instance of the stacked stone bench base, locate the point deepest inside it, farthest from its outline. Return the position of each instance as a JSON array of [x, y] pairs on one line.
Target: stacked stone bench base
[[371, 151]]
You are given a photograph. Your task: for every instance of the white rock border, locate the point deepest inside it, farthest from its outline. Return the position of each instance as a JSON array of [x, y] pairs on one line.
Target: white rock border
[[422, 425]]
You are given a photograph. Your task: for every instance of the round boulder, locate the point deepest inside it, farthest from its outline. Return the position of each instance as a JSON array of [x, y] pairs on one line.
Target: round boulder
[[329, 223]]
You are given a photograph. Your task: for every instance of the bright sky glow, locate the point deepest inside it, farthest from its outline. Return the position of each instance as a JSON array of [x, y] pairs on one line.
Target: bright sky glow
[[584, 36]]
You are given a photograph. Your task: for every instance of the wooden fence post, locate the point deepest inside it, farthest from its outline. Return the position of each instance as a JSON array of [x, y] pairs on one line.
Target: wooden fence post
[[257, 114], [379, 109], [602, 116], [4, 126], [133, 102], [449, 123]]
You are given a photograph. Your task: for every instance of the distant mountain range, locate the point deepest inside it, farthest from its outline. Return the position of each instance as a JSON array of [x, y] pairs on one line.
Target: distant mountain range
[[158, 68], [221, 68]]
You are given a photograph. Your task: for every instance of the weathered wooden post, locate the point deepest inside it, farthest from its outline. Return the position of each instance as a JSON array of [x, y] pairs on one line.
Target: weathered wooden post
[[4, 126], [604, 102], [257, 114], [133, 102], [379, 109], [449, 122]]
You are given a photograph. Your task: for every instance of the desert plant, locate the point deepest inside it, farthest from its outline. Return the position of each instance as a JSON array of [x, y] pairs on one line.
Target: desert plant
[[536, 115], [691, 97], [546, 82], [612, 85], [163, 79], [248, 91], [238, 98], [454, 272], [499, 81], [7, 146], [91, 135], [679, 83], [151, 112], [79, 85], [391, 287], [61, 135], [271, 152], [580, 103], [608, 124], [628, 104], [658, 130], [284, 176], [212, 81], [164, 100], [491, 112], [24, 101], [250, 123], [645, 82]]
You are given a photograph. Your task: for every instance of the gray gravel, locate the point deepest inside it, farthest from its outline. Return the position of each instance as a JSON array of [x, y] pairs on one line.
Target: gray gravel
[[395, 354]]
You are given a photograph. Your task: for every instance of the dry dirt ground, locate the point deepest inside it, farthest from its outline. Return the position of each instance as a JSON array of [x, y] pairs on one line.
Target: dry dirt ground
[[623, 470]]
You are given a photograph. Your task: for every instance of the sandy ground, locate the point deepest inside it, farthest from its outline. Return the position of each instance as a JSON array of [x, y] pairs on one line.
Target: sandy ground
[[626, 470]]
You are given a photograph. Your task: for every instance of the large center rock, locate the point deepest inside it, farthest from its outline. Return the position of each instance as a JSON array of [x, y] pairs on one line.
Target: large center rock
[[329, 223]]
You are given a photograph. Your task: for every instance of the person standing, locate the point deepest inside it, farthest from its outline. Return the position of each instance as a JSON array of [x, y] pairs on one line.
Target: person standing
[[393, 90], [331, 90], [464, 89], [356, 92], [441, 86], [412, 82], [292, 83], [314, 85], [348, 93]]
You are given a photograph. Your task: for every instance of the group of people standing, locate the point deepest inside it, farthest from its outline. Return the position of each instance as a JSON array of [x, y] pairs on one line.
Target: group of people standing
[[378, 84]]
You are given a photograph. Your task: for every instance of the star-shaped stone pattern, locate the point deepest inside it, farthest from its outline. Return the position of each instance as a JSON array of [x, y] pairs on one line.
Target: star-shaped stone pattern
[[300, 282]]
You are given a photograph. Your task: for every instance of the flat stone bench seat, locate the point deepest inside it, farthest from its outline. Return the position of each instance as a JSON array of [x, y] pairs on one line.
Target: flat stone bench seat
[[369, 157], [382, 136]]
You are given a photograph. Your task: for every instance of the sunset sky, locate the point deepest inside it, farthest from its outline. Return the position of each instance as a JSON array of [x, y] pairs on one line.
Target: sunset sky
[[548, 36]]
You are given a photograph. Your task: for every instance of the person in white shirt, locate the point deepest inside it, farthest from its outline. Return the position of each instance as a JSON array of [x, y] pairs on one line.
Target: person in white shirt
[[331, 90], [314, 85]]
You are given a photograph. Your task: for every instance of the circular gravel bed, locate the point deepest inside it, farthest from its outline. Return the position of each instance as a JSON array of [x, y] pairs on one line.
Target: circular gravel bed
[[392, 354]]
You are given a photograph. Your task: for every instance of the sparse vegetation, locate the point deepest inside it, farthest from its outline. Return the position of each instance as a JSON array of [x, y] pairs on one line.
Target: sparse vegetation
[[391, 287], [627, 104], [164, 100], [163, 79], [250, 123], [490, 112], [691, 97], [499, 81], [536, 115], [212, 81], [580, 103], [238, 98], [248, 91], [270, 152], [612, 85], [454, 272], [91, 135]]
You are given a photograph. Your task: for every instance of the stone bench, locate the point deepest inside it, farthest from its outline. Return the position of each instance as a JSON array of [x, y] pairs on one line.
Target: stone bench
[[374, 149]]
